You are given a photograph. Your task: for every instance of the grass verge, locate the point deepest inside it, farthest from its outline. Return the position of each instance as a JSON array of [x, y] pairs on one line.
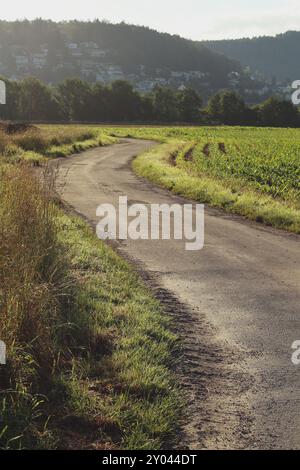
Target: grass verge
[[89, 352], [129, 385]]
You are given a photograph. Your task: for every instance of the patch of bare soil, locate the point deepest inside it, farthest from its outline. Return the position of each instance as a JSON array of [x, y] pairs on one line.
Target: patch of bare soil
[[206, 150], [80, 433], [188, 157]]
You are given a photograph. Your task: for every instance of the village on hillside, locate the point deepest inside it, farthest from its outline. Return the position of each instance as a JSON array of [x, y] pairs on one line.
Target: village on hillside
[[88, 61]]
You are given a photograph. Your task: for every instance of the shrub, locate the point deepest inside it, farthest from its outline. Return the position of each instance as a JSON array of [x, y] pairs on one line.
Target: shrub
[[32, 140]]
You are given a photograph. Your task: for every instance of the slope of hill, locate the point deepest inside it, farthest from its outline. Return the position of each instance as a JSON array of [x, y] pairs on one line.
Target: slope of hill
[[105, 52], [272, 56]]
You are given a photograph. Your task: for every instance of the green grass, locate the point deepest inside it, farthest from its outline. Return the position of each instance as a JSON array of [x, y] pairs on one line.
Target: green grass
[[248, 171], [136, 352]]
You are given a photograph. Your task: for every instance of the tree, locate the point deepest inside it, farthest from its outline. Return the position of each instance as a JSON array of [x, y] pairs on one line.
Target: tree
[[99, 110], [36, 101], [164, 104], [189, 105], [229, 108], [214, 107], [147, 109], [124, 102], [76, 99], [10, 111], [275, 112]]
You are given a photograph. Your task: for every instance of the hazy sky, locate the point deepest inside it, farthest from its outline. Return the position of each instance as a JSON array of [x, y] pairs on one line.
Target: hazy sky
[[196, 19]]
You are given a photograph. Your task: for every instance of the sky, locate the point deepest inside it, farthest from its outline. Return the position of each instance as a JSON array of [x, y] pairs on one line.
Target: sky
[[193, 19]]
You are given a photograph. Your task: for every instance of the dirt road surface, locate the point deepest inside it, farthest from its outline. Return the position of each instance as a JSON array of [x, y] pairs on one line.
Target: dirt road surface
[[235, 305]]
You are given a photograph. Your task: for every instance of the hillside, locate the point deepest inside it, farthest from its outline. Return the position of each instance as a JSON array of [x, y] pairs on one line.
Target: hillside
[[272, 56], [106, 52]]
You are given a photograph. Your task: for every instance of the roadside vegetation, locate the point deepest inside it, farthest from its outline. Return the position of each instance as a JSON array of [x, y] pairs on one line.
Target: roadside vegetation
[[21, 142], [89, 351], [254, 172]]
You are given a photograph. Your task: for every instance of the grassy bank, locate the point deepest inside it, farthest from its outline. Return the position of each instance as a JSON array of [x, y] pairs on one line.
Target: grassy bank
[[127, 380], [37, 144], [89, 352], [246, 171]]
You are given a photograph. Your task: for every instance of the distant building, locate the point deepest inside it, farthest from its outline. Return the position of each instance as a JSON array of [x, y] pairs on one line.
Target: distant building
[[114, 72], [234, 79], [22, 61], [196, 74], [89, 45], [72, 45], [98, 53], [39, 60], [100, 77]]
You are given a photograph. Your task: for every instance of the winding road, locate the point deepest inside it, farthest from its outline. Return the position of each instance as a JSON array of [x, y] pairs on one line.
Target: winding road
[[235, 305]]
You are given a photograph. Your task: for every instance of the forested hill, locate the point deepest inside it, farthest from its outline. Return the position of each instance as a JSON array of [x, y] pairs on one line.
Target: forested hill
[[56, 50], [273, 56], [133, 45]]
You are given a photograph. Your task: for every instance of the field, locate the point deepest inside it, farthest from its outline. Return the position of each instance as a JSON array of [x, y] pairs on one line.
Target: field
[[254, 172]]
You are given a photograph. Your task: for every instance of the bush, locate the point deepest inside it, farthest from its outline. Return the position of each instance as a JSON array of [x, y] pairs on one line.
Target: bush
[[31, 140]]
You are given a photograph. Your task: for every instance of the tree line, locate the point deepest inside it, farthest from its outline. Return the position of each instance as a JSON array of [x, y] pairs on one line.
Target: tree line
[[75, 100]]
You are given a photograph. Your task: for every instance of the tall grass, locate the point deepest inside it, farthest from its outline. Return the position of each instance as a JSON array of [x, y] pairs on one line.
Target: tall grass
[[88, 349], [36, 144], [39, 320], [29, 255], [32, 277]]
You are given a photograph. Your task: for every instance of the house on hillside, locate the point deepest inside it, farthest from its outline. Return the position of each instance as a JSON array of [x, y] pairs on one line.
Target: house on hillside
[[22, 62], [234, 79], [114, 72], [39, 60], [97, 53], [72, 46]]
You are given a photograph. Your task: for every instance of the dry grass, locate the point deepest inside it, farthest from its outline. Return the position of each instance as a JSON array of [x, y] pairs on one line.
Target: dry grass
[[39, 319], [32, 277], [28, 252], [36, 144], [32, 139]]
